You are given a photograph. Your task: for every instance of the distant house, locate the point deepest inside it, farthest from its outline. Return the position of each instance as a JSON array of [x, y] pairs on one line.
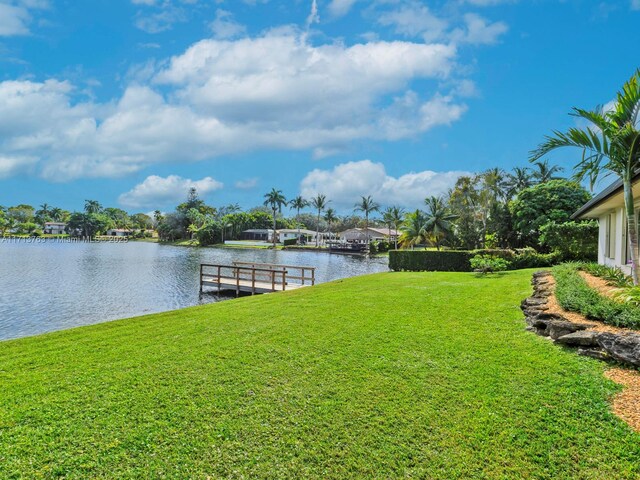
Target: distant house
[[119, 232], [359, 235], [54, 228], [608, 208], [294, 233], [257, 234]]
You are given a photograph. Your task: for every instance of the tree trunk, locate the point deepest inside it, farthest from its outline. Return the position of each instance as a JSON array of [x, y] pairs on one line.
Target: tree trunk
[[632, 224], [274, 228]]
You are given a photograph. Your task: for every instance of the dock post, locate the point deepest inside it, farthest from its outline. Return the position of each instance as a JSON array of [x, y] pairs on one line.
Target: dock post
[[201, 274]]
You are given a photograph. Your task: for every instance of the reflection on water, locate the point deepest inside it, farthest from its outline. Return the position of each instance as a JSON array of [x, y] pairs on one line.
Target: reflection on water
[[51, 286]]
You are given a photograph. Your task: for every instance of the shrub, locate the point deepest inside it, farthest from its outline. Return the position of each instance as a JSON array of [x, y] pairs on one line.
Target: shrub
[[575, 295], [424, 260], [612, 275], [572, 240], [488, 264], [629, 295], [529, 258], [290, 241]]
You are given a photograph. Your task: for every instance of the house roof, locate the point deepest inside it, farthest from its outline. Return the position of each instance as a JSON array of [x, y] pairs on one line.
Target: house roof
[[302, 231], [588, 210], [387, 232]]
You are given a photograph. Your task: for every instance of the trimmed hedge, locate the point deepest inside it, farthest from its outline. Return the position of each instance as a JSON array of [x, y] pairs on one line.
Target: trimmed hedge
[[460, 260], [421, 260]]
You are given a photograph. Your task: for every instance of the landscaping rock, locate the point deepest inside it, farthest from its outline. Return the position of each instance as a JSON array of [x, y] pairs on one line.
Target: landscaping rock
[[559, 328], [624, 348], [596, 353], [580, 338]]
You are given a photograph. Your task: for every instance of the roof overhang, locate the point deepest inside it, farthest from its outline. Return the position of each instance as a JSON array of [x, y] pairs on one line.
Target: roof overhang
[[608, 199]]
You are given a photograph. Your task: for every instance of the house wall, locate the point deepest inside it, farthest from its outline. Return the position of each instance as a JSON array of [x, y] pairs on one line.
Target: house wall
[[612, 239]]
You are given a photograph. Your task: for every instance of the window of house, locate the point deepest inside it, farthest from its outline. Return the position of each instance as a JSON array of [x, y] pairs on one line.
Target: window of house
[[610, 236]]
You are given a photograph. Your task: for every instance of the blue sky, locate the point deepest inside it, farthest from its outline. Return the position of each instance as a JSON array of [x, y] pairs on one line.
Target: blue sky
[[131, 102]]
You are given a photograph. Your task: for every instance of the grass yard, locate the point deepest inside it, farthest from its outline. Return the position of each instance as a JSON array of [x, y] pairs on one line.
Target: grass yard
[[420, 375]]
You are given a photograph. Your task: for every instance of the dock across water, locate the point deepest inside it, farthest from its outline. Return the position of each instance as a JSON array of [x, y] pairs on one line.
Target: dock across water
[[255, 278]]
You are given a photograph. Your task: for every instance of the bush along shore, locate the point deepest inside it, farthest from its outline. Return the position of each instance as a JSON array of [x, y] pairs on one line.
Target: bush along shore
[[605, 345]]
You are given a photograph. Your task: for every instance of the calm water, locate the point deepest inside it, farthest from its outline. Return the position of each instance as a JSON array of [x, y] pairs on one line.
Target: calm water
[[51, 286]]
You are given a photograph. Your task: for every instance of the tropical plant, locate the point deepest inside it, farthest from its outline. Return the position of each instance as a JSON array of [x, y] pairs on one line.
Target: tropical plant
[[275, 200], [517, 181], [414, 230], [546, 172], [366, 206], [438, 220], [392, 217], [92, 206], [330, 217], [611, 144], [488, 263], [298, 204], [319, 203]]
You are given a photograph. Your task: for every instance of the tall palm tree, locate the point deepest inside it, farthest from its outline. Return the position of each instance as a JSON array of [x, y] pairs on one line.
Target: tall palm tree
[[518, 181], [275, 200], [56, 214], [392, 217], [610, 145], [92, 206], [298, 203], [438, 220], [330, 217], [319, 202], [545, 172], [366, 206], [414, 230]]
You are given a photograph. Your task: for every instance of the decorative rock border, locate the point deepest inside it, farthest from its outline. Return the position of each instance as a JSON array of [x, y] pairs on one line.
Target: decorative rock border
[[623, 348]]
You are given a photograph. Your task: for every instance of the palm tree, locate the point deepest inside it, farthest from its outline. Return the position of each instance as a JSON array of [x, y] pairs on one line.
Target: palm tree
[[366, 206], [610, 145], [546, 172], [330, 217], [56, 214], [414, 230], [92, 206], [275, 200], [319, 202], [298, 203], [392, 217], [438, 220], [518, 181]]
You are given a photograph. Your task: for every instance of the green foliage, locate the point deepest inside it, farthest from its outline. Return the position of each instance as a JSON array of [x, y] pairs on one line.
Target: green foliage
[[613, 275], [630, 295], [426, 260], [290, 242], [572, 240], [575, 295], [488, 264], [406, 375], [552, 201]]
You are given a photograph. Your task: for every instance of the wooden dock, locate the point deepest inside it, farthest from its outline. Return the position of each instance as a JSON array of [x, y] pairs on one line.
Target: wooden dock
[[255, 278]]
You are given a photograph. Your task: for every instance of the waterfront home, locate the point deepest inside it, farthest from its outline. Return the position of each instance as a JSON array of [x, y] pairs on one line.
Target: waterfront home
[[118, 232], [257, 234], [54, 228], [294, 233], [608, 208], [359, 235]]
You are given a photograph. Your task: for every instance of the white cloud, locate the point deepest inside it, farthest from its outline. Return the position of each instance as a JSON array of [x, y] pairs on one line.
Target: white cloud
[[314, 16], [339, 8], [157, 191], [224, 97], [247, 184], [347, 182], [224, 26], [479, 31], [15, 16], [414, 20]]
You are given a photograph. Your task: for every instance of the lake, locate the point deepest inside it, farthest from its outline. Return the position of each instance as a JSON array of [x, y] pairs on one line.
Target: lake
[[51, 285]]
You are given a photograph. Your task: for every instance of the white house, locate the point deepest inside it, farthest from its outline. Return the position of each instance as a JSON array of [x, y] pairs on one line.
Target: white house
[[54, 228], [291, 233], [118, 232], [608, 208], [360, 234]]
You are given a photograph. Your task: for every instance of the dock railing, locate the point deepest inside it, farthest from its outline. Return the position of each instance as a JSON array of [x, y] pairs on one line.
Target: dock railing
[[255, 277], [296, 274]]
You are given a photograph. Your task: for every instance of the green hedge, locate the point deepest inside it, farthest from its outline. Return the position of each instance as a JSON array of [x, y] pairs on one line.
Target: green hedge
[[459, 260], [421, 260]]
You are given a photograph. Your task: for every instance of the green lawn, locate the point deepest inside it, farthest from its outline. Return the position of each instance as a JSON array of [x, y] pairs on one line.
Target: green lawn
[[420, 375]]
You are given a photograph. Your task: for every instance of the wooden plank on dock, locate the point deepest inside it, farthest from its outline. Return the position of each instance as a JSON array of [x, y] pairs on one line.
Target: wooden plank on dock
[[255, 278]]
